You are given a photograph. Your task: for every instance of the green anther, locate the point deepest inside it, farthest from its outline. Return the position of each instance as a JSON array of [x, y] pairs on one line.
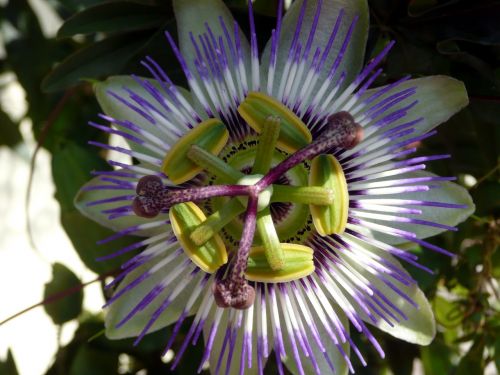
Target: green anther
[[210, 256], [270, 241], [327, 172], [267, 143], [298, 264], [210, 135], [213, 164], [257, 107], [302, 194], [215, 222]]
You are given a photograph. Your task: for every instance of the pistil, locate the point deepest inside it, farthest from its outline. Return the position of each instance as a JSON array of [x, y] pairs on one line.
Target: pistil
[[234, 291], [153, 197]]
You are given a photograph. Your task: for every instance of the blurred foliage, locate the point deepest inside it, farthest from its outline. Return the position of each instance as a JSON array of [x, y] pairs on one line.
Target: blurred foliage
[[459, 38], [68, 308]]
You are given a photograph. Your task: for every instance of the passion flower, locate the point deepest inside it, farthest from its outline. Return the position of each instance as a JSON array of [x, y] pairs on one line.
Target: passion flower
[[272, 199]]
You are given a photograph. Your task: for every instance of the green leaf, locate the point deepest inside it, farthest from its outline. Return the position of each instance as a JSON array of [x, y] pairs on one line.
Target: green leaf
[[68, 307], [93, 361], [472, 362], [9, 366], [9, 131], [354, 56], [84, 235], [71, 167], [419, 7], [448, 314], [436, 358], [113, 17], [487, 198], [103, 58]]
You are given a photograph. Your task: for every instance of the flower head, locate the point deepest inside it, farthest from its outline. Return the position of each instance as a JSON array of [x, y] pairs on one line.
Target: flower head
[[272, 199]]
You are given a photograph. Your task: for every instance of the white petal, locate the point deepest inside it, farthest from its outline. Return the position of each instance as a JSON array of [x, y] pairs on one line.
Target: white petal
[[420, 327], [444, 192], [354, 55]]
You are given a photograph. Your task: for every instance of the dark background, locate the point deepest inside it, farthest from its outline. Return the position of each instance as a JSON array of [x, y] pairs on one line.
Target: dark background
[[458, 38]]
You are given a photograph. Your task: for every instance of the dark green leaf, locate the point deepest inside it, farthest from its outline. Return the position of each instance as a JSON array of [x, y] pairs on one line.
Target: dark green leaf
[[472, 362], [97, 60], [93, 361], [68, 307], [71, 167], [84, 235], [9, 366], [114, 16], [9, 131], [436, 358], [487, 198]]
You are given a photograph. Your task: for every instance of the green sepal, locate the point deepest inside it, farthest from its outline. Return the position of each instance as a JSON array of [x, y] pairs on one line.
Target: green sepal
[[298, 264], [326, 172], [210, 135], [257, 107], [184, 217]]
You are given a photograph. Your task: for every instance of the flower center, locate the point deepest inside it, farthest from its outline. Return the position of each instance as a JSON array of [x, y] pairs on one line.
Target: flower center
[[283, 152]]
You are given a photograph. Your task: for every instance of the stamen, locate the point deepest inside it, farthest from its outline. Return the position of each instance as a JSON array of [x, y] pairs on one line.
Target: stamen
[[216, 222], [267, 144], [213, 164], [302, 195]]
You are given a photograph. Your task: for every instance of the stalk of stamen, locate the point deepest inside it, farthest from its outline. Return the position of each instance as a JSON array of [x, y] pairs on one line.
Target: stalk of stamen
[[215, 222], [302, 194], [267, 143], [263, 157], [341, 131], [213, 164], [234, 291], [274, 252]]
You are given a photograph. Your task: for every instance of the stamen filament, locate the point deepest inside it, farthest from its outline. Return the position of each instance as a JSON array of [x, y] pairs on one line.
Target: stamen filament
[[274, 252], [215, 222], [213, 164], [267, 144], [302, 195]]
